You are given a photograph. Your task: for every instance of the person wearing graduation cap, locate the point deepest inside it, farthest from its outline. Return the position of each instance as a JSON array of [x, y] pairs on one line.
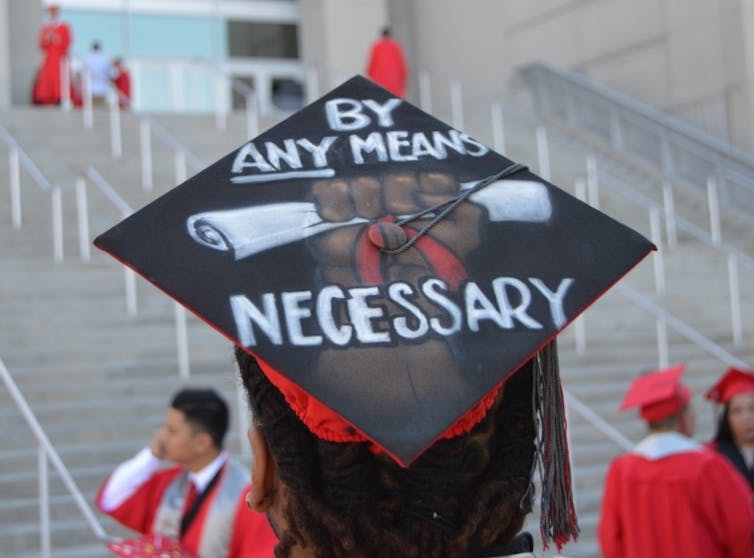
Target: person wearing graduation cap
[[198, 503], [394, 289], [735, 428], [54, 40], [671, 496]]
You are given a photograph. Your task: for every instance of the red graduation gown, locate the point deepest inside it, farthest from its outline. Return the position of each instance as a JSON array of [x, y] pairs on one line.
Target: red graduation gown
[[251, 534], [54, 39], [387, 66], [122, 83], [691, 504]]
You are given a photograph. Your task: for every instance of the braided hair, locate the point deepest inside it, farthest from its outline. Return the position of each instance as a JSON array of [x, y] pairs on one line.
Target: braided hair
[[462, 495]]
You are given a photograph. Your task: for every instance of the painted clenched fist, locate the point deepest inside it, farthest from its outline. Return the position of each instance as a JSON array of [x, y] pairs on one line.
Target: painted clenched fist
[[352, 255]]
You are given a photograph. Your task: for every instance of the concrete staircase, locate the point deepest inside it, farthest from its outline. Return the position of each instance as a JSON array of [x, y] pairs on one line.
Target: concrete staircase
[[99, 380]]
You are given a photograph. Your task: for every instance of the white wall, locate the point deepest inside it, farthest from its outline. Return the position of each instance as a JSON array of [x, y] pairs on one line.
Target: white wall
[[337, 34], [694, 58], [24, 19]]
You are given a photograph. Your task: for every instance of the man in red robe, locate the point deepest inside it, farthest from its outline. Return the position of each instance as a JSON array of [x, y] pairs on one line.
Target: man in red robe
[[201, 501], [671, 496], [54, 39], [387, 66]]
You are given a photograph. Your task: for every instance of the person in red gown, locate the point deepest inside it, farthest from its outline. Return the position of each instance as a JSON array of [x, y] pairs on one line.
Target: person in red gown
[[200, 502], [387, 65], [734, 438], [55, 39], [672, 496], [122, 82]]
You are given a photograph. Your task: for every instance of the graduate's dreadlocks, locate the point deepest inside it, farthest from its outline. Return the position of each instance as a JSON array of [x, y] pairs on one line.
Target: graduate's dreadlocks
[[462, 495]]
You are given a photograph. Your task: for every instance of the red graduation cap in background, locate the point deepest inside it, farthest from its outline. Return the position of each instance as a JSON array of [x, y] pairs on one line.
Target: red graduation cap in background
[[387, 271], [733, 382], [659, 395]]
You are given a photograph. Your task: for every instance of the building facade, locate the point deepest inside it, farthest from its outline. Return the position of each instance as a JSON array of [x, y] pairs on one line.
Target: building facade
[[691, 58]]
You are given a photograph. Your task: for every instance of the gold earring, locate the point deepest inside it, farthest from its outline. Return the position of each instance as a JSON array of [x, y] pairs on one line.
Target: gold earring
[[248, 500]]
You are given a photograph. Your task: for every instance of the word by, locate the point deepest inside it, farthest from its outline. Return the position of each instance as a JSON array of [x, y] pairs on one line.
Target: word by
[[299, 157]]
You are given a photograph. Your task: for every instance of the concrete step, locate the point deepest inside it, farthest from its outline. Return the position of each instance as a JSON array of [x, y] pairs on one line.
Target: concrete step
[[100, 400]]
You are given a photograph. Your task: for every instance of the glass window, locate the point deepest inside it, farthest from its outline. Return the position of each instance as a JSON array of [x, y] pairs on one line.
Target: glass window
[[90, 26], [264, 40], [159, 36]]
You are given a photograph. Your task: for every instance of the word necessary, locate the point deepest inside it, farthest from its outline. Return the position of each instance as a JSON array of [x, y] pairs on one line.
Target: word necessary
[[306, 318]]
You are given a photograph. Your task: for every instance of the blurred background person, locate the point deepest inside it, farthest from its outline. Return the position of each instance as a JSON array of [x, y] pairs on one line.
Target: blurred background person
[[122, 81], [734, 437], [201, 500], [54, 40], [99, 70], [387, 65], [671, 496]]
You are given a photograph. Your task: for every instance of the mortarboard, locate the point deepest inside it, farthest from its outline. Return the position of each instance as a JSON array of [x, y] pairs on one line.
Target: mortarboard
[[387, 271], [659, 395], [733, 382], [276, 246]]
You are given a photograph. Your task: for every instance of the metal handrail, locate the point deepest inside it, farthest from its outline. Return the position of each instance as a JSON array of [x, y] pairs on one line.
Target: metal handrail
[[658, 118], [48, 451], [681, 327], [168, 139], [27, 162], [115, 198], [526, 118], [677, 140]]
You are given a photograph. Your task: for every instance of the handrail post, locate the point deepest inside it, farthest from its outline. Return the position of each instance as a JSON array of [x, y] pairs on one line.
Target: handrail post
[[116, 145], [44, 502], [657, 259], [221, 111], [666, 156], [57, 223], [735, 300], [50, 454], [179, 160], [592, 182], [312, 84], [252, 116], [498, 128], [15, 187], [243, 421], [456, 104], [86, 109], [181, 336], [662, 342], [579, 189], [82, 214], [129, 278], [145, 137], [714, 210], [543, 153], [669, 207], [579, 333], [425, 91], [65, 84], [616, 133]]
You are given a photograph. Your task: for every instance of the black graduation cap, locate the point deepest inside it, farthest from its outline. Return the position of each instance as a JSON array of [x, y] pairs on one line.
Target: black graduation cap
[[388, 271]]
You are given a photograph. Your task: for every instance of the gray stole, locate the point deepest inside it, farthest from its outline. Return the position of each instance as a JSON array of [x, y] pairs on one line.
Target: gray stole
[[216, 531]]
